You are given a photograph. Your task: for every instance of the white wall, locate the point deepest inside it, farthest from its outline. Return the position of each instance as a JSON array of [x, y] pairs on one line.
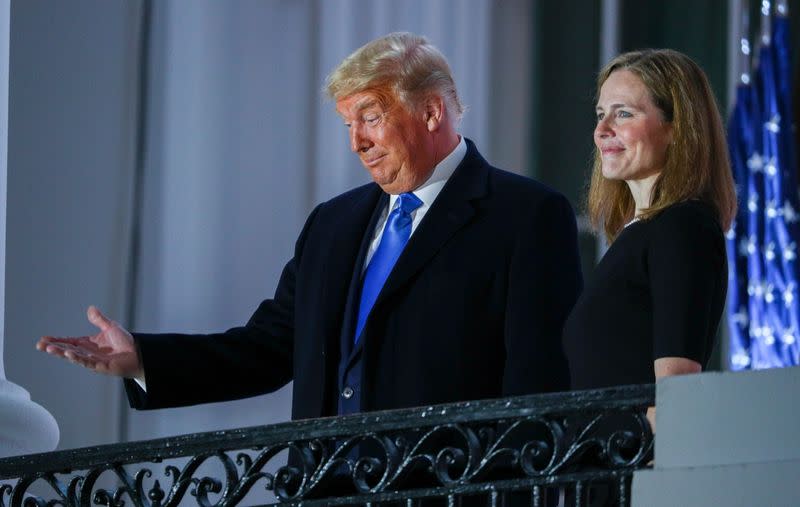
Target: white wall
[[5, 37], [70, 153]]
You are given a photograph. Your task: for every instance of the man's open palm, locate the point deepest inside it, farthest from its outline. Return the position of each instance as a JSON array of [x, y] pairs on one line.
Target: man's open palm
[[111, 351]]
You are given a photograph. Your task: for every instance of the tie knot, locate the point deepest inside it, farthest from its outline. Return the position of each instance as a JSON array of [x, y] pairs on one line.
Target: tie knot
[[408, 202]]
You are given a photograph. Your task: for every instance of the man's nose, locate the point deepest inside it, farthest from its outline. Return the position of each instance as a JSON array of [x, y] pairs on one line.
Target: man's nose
[[358, 141]]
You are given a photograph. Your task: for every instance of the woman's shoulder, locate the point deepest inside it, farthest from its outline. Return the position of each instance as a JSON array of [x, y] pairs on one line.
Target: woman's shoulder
[[691, 215], [687, 226]]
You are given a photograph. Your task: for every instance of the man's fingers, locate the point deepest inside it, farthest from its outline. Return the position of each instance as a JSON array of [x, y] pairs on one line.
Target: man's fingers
[[69, 350], [82, 342], [97, 318], [52, 349], [78, 355], [72, 340], [59, 348]]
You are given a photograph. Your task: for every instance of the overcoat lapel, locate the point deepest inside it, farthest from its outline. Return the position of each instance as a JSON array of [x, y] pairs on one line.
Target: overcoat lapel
[[344, 251], [360, 236], [451, 210]]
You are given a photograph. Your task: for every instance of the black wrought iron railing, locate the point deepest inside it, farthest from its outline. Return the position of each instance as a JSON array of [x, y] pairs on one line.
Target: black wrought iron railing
[[577, 448]]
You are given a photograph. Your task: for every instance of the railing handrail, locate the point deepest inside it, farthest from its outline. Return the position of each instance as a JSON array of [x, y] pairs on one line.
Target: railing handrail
[[552, 404]]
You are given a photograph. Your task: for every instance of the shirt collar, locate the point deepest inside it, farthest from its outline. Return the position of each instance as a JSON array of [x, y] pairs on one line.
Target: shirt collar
[[428, 191]]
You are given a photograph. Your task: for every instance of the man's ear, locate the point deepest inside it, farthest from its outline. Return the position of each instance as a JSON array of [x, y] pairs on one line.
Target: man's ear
[[434, 112]]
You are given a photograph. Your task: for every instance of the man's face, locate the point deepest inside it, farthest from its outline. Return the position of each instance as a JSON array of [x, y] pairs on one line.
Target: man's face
[[394, 144]]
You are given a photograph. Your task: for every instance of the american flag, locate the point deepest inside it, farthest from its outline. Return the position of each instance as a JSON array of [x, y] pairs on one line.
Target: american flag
[[762, 243]]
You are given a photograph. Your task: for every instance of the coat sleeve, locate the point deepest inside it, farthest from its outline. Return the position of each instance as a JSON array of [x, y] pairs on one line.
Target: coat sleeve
[[545, 280], [188, 369]]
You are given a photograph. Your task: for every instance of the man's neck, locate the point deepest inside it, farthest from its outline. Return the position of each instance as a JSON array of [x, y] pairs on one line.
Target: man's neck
[[444, 142]]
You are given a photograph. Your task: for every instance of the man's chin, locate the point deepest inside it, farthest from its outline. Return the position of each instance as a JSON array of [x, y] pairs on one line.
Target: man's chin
[[381, 177], [391, 185]]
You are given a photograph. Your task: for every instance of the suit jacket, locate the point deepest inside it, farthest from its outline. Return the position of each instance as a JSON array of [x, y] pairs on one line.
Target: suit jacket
[[473, 309]]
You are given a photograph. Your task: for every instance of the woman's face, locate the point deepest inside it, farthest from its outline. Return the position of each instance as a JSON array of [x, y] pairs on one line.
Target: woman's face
[[631, 134]]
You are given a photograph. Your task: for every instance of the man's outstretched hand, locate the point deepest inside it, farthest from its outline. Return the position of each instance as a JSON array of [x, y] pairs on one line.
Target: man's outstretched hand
[[111, 351]]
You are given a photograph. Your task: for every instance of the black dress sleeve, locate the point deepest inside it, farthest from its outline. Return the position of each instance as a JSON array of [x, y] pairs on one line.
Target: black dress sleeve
[[688, 275]]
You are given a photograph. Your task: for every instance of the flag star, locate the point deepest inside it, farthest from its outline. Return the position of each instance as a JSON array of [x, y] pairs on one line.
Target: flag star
[[751, 245], [731, 232], [788, 338], [755, 289], [773, 125], [740, 359], [771, 168], [788, 298], [755, 163], [740, 318], [771, 209], [789, 213], [790, 252], [752, 203], [744, 247], [768, 335], [769, 251]]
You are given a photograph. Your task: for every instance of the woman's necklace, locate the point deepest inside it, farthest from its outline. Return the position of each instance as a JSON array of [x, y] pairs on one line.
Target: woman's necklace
[[635, 219]]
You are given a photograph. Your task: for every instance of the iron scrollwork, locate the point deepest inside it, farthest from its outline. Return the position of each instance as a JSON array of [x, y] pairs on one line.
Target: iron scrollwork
[[446, 448]]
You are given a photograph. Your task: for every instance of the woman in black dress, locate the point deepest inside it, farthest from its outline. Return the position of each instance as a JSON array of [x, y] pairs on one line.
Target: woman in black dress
[[662, 193]]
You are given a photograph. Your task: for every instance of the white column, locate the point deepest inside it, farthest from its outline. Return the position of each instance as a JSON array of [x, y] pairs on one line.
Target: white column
[[25, 427], [611, 12]]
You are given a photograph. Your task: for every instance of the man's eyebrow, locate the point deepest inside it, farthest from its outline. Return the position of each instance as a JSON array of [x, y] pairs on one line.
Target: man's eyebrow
[[365, 104]]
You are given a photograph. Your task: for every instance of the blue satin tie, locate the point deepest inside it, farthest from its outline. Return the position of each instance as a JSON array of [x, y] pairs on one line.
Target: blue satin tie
[[394, 239]]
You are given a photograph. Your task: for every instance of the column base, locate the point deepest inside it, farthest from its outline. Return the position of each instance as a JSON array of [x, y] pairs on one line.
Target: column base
[[25, 426]]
